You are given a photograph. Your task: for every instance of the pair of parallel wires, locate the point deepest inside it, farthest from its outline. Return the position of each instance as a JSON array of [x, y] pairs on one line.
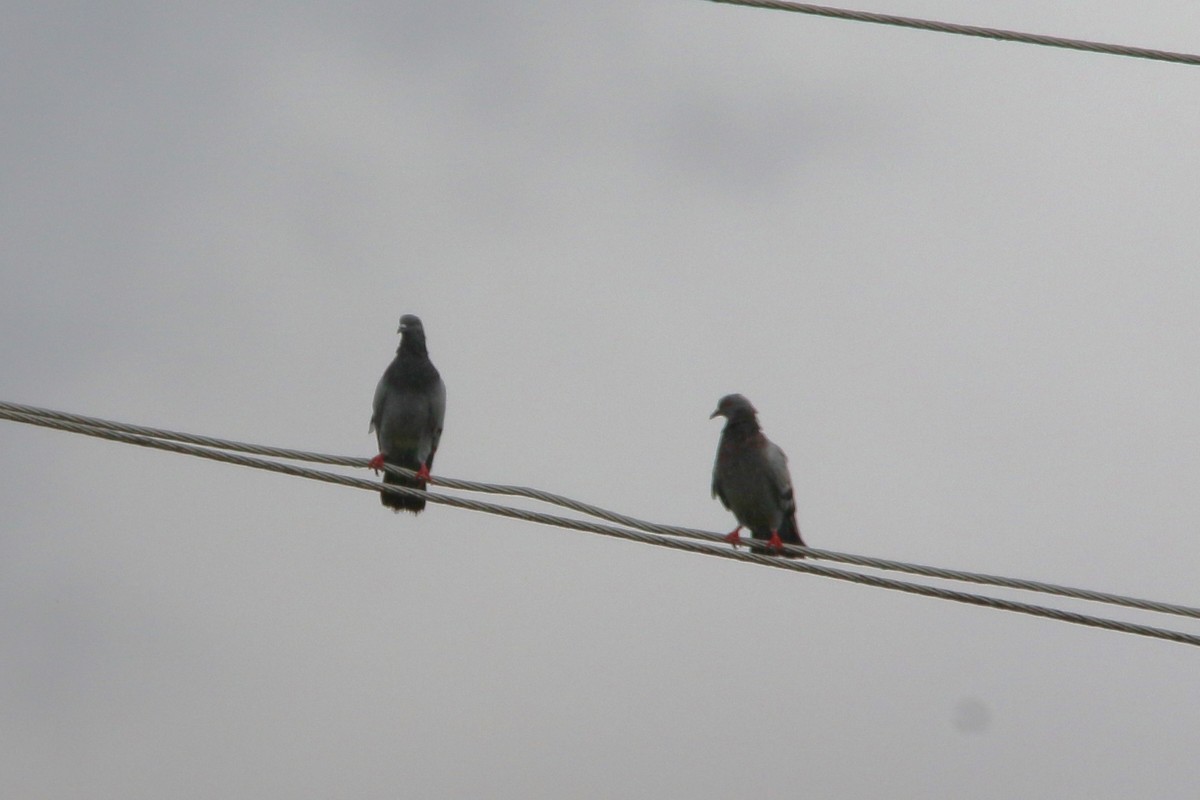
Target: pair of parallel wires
[[603, 522]]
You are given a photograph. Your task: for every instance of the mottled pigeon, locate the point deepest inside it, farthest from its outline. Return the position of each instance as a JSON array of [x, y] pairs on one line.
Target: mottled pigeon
[[410, 404], [750, 476]]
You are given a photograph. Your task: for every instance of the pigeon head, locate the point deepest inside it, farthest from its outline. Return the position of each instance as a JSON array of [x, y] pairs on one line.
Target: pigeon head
[[410, 322], [734, 407], [412, 334]]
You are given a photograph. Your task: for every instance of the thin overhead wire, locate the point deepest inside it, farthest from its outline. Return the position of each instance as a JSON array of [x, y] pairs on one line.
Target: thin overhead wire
[[609, 530], [971, 30], [610, 516], [173, 443]]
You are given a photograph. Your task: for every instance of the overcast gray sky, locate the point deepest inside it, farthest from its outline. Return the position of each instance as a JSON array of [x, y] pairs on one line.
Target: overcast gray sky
[[957, 277]]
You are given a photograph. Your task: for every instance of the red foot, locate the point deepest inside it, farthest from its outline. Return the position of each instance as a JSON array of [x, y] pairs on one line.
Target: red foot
[[376, 463], [423, 474], [734, 538], [775, 542]]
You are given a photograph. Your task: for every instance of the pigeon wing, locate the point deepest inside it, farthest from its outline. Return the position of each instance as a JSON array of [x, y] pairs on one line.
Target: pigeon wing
[[381, 391], [437, 417], [781, 484], [718, 477]]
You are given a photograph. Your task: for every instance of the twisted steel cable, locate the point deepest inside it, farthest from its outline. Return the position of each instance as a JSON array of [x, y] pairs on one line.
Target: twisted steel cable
[[612, 516], [58, 422]]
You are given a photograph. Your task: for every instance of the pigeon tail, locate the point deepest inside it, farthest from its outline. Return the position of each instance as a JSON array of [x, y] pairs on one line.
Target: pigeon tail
[[402, 502]]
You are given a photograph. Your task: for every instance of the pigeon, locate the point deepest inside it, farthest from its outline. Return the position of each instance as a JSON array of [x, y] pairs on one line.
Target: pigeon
[[407, 414], [750, 476]]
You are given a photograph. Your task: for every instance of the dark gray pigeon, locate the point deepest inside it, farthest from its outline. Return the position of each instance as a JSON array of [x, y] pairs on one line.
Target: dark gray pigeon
[[407, 415], [750, 476]]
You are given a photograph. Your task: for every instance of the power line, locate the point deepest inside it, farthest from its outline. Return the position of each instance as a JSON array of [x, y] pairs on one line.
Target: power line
[[57, 420], [971, 30], [615, 517]]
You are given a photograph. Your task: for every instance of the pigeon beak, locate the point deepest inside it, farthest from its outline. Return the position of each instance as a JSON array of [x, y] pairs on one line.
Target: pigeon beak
[[716, 413], [400, 329]]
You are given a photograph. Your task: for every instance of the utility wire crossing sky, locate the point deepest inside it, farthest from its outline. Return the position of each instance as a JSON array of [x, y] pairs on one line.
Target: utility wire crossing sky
[[172, 441], [971, 30]]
